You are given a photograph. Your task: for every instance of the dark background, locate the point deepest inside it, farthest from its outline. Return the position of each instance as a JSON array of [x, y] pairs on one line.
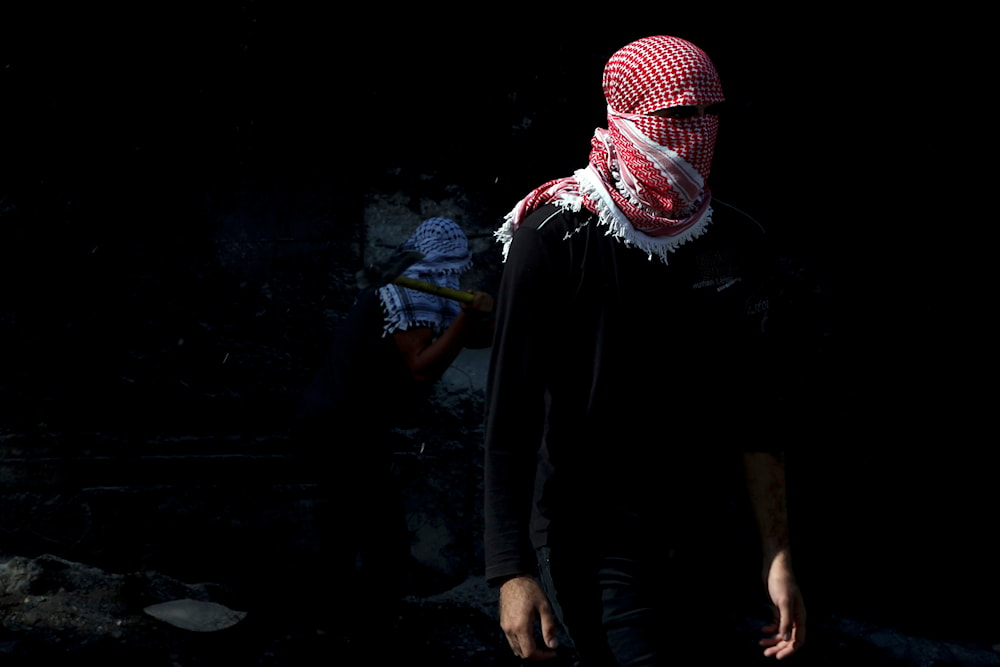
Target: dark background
[[120, 127]]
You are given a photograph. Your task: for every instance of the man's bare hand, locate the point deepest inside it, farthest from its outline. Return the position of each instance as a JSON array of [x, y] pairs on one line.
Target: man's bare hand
[[482, 303], [788, 631], [523, 604]]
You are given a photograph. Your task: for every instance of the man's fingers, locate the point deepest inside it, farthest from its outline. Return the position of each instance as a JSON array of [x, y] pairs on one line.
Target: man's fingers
[[549, 629], [521, 648], [515, 648], [777, 632], [781, 646], [525, 648]]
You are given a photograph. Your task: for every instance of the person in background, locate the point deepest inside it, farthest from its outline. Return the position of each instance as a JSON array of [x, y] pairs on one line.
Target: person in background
[[631, 390], [382, 362]]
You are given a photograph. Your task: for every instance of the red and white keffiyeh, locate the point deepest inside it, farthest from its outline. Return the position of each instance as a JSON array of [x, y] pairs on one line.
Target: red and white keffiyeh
[[646, 179]]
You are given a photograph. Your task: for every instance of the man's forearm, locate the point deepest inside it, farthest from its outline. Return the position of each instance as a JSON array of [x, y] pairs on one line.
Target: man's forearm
[[765, 474]]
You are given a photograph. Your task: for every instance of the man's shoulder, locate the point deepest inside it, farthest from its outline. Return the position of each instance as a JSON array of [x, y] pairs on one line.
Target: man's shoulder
[[734, 220], [552, 219]]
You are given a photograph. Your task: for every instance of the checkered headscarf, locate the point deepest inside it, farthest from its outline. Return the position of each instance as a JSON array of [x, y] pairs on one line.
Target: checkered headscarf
[[647, 175], [445, 256]]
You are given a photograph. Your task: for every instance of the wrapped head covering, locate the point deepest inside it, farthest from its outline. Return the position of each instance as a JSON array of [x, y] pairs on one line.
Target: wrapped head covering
[[445, 256], [646, 179]]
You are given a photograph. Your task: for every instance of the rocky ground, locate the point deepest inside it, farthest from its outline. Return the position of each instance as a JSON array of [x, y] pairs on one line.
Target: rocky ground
[[56, 612]]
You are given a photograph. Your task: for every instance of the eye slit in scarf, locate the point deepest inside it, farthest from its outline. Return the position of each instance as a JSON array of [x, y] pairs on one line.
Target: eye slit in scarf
[[687, 111], [646, 178], [445, 255]]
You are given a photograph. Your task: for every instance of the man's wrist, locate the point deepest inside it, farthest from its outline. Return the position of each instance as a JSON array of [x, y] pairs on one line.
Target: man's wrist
[[514, 577], [779, 557], [500, 580]]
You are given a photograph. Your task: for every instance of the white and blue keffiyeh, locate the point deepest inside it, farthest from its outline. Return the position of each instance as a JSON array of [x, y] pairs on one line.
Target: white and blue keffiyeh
[[445, 251]]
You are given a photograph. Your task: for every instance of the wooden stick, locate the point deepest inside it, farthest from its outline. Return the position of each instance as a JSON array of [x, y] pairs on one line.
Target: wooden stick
[[431, 288]]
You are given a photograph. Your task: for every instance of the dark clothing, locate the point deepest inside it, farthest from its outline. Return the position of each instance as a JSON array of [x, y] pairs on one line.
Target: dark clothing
[[363, 374], [645, 605], [631, 387], [636, 372], [344, 431]]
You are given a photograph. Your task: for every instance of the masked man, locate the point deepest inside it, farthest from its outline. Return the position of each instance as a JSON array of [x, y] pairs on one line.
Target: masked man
[[630, 368]]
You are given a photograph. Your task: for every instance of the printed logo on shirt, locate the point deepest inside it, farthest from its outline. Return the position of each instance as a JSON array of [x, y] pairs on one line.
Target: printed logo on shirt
[[717, 271]]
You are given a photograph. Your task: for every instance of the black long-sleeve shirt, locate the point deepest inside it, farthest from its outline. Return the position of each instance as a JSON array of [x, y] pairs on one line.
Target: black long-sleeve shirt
[[618, 384]]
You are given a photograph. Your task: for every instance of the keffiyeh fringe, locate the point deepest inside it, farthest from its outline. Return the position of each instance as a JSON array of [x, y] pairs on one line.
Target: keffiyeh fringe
[[591, 192]]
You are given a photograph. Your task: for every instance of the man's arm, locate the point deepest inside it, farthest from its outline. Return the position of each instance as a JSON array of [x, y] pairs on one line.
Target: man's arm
[[765, 473], [427, 356], [514, 430]]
